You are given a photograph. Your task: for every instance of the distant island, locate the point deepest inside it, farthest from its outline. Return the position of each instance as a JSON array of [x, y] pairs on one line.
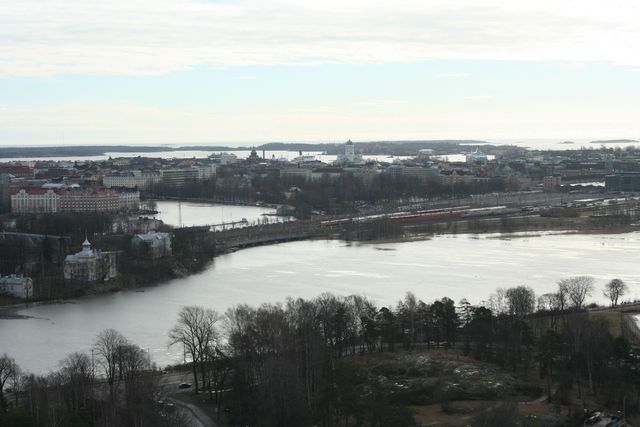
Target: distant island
[[373, 147], [615, 141], [566, 142]]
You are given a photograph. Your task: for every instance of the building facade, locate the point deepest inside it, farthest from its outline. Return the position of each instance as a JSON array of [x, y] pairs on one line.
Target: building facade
[[89, 201], [90, 265], [349, 155], [552, 182], [129, 200], [5, 197], [179, 177], [53, 200], [622, 181], [134, 179], [35, 200], [152, 245], [16, 286]]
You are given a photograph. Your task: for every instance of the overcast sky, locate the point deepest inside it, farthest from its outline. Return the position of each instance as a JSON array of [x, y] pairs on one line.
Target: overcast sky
[[193, 71]]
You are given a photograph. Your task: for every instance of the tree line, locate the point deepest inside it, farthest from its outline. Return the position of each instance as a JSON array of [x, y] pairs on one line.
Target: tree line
[[284, 364]]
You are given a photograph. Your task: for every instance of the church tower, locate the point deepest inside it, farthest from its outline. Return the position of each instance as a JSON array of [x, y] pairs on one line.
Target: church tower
[[349, 150]]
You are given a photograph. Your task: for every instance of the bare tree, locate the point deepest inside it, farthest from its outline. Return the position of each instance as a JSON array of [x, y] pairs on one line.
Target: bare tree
[[8, 368], [76, 374], [498, 301], [577, 289], [562, 294], [107, 350], [410, 304], [132, 360], [521, 301], [551, 302], [614, 290], [196, 332]]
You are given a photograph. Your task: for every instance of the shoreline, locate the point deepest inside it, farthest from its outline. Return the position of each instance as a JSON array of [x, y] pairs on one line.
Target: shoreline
[[9, 310]]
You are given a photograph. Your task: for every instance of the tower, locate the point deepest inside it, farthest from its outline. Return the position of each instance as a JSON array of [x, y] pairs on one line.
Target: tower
[[349, 150]]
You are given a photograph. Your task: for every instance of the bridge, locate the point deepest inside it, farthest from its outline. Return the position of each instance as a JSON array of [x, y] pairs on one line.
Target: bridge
[[242, 237], [265, 234]]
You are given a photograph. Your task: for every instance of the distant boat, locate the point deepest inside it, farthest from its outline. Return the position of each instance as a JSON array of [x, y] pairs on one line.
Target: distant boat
[[305, 159]]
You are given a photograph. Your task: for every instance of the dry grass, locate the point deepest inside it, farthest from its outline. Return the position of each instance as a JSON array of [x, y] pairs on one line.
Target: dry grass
[[613, 318]]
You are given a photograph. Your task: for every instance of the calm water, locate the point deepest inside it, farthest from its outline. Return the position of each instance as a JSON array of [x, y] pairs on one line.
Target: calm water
[[210, 213], [455, 266]]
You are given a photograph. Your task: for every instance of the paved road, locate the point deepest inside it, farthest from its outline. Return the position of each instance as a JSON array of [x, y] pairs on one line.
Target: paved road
[[195, 416]]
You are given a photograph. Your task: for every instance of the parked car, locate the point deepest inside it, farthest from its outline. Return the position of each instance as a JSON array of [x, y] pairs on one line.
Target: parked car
[[184, 385]]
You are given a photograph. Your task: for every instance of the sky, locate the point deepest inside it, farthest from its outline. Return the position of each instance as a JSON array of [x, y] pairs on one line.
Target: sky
[[253, 71]]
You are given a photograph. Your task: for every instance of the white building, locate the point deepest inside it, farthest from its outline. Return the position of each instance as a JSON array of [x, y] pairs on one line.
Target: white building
[[350, 155], [16, 286], [476, 156], [206, 171], [224, 158], [129, 200], [90, 265], [152, 244], [134, 179]]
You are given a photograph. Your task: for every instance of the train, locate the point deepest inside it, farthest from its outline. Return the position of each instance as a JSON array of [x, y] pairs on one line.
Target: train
[[427, 215]]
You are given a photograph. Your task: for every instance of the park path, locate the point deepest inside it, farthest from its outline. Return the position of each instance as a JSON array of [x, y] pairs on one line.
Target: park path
[[197, 417]]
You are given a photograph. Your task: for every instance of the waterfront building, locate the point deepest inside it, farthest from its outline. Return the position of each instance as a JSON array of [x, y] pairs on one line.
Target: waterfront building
[[90, 265], [53, 199], [425, 154], [224, 158], [89, 200], [476, 156], [35, 200], [16, 286], [129, 200], [152, 244]]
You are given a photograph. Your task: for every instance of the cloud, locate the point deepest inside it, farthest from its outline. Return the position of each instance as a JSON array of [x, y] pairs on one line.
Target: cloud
[[378, 103], [480, 97], [452, 75], [152, 37]]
